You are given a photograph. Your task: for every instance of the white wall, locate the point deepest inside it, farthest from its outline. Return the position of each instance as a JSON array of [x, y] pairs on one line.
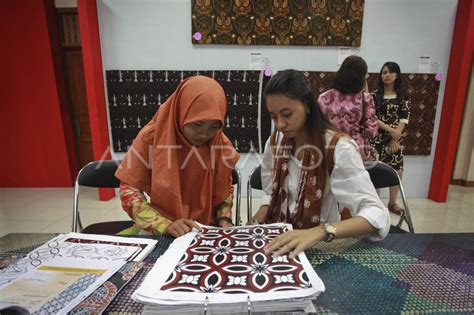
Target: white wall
[[156, 34]]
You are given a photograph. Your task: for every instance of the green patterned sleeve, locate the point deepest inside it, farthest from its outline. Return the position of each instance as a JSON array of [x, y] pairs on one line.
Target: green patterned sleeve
[[145, 216], [225, 208]]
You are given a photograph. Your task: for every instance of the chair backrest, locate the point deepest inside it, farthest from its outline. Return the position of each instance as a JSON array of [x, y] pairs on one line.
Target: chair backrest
[[100, 174], [256, 178], [254, 182], [382, 175]]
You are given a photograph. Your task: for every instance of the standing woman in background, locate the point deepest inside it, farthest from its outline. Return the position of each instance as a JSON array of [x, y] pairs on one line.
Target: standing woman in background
[[393, 113], [349, 106]]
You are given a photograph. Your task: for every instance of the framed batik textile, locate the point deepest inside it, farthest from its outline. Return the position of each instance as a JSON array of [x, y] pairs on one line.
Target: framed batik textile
[[277, 22]]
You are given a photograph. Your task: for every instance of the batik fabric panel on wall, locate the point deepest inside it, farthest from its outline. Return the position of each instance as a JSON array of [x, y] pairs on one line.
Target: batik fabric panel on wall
[[135, 96], [278, 22]]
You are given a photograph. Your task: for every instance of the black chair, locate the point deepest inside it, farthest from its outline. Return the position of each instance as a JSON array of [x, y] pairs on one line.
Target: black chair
[[101, 174], [98, 174], [254, 182], [382, 176]]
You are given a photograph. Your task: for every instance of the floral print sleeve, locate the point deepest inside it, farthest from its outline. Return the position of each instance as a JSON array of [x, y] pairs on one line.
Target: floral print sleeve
[[145, 216], [370, 120], [225, 208]]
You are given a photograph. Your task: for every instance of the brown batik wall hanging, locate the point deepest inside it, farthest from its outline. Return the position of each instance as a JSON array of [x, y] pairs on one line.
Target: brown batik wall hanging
[[278, 22], [422, 90]]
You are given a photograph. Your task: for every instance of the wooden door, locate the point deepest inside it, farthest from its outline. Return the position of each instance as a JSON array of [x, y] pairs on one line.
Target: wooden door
[[70, 41]]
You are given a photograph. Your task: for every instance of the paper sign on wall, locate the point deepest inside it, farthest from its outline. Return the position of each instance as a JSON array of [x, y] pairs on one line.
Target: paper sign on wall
[[256, 61], [424, 64], [343, 53]]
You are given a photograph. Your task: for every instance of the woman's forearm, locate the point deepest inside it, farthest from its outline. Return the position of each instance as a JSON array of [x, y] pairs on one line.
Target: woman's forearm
[[401, 126], [355, 226], [383, 125], [145, 216]]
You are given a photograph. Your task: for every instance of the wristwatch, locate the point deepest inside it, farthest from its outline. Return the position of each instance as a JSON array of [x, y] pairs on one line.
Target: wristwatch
[[331, 232]]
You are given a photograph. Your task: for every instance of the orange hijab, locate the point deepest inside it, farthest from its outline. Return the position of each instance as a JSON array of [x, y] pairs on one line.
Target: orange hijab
[[183, 181]]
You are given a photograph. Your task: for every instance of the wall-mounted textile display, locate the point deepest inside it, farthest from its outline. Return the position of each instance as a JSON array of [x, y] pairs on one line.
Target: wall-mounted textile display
[[422, 90], [135, 96], [283, 22]]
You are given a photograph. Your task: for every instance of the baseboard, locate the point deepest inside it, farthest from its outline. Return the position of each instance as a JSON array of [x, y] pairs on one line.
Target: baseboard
[[462, 182]]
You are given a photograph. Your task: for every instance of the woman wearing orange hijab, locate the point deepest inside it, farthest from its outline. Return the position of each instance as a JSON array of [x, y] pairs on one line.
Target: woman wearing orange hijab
[[183, 161]]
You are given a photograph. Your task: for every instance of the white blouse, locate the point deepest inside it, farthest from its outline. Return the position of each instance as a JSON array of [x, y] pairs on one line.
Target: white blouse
[[349, 185]]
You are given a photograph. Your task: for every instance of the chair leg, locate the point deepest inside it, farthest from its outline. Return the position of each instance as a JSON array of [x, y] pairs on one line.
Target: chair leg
[[406, 214], [249, 200], [249, 205], [81, 227], [238, 219], [75, 207]]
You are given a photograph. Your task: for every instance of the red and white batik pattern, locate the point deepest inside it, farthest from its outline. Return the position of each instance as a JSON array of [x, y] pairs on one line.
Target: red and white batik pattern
[[233, 261]]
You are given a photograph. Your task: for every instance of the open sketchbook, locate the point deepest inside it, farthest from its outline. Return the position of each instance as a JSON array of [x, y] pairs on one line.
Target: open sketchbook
[[79, 246], [61, 273], [227, 270]]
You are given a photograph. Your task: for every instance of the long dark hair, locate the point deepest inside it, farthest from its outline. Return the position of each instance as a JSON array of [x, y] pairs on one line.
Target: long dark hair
[[393, 67], [293, 84], [350, 78]]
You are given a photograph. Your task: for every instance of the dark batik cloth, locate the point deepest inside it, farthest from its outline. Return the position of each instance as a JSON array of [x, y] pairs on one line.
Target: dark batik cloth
[[390, 111], [134, 96], [294, 22]]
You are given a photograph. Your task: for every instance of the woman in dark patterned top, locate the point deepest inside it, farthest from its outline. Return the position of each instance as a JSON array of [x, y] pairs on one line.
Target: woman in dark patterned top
[[393, 111]]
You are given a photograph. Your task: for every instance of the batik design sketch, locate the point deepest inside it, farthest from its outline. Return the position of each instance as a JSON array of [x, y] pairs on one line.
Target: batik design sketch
[[72, 292], [58, 248]]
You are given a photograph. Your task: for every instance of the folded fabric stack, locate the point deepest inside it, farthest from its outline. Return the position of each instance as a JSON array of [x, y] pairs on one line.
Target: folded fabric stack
[[227, 271]]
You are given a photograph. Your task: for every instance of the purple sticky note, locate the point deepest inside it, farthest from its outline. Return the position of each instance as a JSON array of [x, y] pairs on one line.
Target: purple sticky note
[[268, 72], [438, 76], [197, 36]]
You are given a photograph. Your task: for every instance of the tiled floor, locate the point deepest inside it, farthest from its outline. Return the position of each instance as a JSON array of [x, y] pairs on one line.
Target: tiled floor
[[50, 210]]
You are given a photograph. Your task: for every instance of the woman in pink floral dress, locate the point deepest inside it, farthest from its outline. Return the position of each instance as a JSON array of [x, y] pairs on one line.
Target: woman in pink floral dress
[[348, 105]]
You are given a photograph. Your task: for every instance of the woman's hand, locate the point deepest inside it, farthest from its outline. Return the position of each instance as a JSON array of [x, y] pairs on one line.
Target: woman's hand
[[393, 146], [260, 216], [180, 227], [295, 241], [225, 223]]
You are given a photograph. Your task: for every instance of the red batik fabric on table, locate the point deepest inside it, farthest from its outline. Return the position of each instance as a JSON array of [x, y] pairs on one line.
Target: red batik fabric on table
[[233, 261], [228, 266]]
